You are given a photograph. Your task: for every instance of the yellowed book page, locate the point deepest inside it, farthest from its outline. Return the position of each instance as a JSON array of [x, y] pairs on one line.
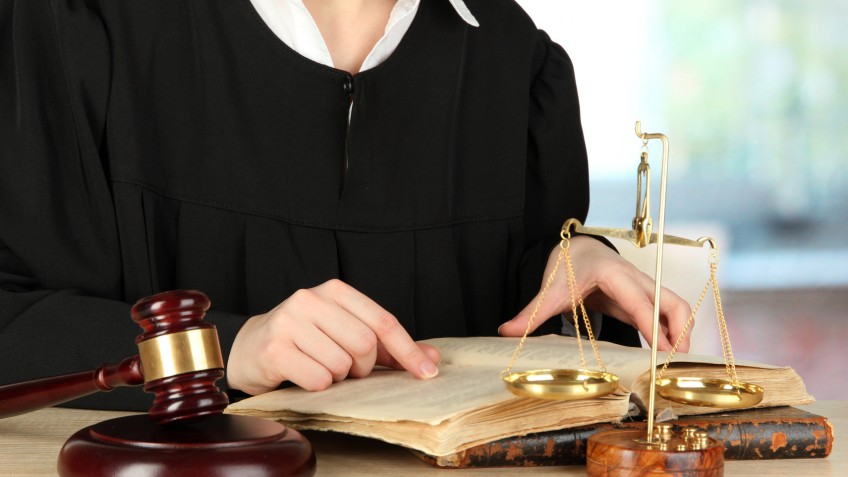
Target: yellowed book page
[[392, 395], [782, 386], [632, 365], [513, 417], [469, 378], [563, 352], [542, 352]]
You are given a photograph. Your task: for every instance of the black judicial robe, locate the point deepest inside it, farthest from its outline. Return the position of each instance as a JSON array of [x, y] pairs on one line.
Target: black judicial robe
[[178, 144]]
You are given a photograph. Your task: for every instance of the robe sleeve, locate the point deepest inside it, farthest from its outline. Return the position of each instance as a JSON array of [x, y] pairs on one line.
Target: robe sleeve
[[557, 177], [62, 304]]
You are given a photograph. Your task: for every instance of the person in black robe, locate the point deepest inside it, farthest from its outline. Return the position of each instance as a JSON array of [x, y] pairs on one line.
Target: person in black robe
[[331, 217]]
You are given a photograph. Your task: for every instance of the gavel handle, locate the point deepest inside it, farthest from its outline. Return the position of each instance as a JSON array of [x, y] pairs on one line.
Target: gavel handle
[[30, 396]]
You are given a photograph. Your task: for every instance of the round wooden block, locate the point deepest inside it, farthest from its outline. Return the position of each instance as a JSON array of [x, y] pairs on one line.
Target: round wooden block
[[620, 453], [216, 446]]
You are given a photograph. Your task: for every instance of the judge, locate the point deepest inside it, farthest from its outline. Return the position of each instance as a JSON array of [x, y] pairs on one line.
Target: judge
[[340, 177]]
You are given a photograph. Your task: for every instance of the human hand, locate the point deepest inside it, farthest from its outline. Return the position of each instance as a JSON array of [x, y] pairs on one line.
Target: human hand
[[322, 335], [612, 285]]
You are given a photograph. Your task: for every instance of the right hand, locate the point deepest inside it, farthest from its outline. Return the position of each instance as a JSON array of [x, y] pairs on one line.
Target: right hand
[[323, 335], [611, 285]]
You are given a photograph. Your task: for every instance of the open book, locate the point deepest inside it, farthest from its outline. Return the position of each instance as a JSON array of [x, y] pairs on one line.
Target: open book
[[467, 404]]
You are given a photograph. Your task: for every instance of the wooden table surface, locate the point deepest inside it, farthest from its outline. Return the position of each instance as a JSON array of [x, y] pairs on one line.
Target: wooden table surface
[[29, 445]]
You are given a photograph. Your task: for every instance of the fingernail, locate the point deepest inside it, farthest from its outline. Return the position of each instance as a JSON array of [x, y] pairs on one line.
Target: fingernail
[[429, 370]]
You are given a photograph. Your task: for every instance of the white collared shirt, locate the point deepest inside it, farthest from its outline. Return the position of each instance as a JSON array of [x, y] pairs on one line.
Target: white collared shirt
[[294, 25]]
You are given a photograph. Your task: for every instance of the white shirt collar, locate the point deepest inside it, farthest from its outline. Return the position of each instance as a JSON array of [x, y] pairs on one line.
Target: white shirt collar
[[293, 24], [464, 12]]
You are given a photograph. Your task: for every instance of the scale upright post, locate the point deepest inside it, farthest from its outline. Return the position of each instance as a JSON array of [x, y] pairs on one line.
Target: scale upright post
[[634, 452], [658, 269]]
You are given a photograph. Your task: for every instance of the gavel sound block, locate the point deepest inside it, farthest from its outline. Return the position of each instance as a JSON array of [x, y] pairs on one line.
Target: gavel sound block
[[185, 432]]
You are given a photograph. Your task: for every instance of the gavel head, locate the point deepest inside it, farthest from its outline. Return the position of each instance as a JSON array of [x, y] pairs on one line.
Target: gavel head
[[180, 356]]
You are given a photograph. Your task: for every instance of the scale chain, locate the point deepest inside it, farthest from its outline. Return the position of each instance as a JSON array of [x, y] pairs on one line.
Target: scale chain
[[727, 352], [729, 363], [542, 296], [572, 283], [563, 256]]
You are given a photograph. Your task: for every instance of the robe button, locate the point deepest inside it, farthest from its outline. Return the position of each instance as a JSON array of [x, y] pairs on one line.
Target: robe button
[[348, 84]]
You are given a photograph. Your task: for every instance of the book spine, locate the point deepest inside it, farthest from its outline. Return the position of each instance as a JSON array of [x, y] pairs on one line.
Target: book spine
[[771, 438]]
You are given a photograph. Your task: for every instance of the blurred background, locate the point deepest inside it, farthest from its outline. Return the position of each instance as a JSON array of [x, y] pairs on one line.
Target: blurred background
[[754, 99]]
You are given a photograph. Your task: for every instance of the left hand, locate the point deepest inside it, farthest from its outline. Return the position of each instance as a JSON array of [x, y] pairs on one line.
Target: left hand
[[609, 284]]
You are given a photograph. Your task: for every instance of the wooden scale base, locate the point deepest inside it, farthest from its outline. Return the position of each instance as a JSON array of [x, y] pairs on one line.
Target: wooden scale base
[[215, 446], [626, 453]]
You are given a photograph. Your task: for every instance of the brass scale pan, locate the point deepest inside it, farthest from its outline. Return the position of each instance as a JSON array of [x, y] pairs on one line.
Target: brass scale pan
[[570, 384]]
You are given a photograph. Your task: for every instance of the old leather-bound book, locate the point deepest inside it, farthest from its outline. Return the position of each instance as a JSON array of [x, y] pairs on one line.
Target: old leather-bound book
[[769, 433]]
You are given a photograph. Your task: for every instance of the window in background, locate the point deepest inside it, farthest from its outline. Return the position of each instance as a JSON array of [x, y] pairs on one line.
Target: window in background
[[753, 97]]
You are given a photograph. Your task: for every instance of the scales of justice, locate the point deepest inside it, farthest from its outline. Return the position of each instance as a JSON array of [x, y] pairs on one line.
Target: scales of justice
[[656, 450]]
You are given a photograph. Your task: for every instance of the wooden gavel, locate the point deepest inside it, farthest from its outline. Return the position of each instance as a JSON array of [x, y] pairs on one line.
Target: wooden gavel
[[179, 360]]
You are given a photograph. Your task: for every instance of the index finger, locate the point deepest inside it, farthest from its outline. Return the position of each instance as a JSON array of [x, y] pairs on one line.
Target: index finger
[[676, 312], [386, 327], [635, 299]]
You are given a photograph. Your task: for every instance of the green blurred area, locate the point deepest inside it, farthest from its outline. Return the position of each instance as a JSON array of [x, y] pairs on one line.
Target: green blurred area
[[772, 76]]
